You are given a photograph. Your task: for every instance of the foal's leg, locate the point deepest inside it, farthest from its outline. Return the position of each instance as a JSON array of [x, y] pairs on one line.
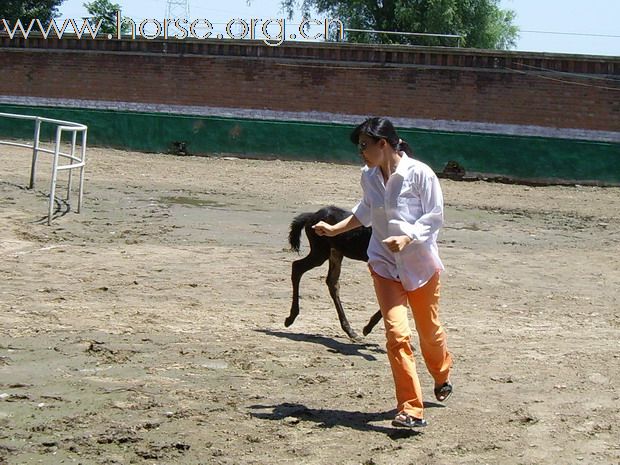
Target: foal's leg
[[371, 323], [335, 263], [316, 257]]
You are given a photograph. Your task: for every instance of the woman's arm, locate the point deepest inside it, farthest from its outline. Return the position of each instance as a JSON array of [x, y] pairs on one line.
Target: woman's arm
[[325, 229]]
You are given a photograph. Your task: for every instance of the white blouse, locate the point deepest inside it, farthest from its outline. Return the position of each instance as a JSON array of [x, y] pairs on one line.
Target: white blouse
[[411, 203]]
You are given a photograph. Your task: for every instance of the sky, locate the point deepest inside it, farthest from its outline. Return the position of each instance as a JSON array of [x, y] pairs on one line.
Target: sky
[[562, 26]]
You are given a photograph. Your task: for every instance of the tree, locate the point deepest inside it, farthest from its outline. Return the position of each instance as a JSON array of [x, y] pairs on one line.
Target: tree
[[482, 23], [27, 10], [105, 11]]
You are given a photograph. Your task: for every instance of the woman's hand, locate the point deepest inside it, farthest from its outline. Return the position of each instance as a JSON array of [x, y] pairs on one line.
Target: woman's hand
[[323, 229], [397, 243]]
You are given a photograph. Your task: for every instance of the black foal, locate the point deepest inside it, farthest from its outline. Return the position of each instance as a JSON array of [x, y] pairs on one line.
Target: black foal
[[352, 244]]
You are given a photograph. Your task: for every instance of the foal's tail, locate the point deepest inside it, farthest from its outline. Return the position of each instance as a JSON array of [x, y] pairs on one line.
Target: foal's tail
[[298, 223]]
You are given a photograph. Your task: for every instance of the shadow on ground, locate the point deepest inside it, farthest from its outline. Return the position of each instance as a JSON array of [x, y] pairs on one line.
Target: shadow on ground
[[349, 348], [327, 418]]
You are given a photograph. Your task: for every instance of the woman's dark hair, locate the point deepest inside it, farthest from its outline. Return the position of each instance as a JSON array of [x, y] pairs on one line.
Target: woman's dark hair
[[381, 128]]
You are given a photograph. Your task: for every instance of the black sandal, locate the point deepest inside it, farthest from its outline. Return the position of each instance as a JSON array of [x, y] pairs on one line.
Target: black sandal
[[404, 420], [443, 392]]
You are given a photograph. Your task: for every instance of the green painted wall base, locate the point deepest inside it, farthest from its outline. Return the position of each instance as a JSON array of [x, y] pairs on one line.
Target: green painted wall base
[[527, 158]]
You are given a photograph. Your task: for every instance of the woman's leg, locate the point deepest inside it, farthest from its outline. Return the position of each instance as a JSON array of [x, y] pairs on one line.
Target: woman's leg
[[424, 303], [392, 299]]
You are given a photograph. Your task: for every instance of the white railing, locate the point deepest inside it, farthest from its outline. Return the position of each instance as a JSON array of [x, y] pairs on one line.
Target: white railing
[[410, 34], [75, 161]]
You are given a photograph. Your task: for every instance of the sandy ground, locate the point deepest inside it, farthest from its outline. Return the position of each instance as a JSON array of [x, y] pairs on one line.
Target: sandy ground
[[149, 328]]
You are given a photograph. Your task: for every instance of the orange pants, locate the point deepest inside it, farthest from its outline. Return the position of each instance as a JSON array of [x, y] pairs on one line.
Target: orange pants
[[424, 302]]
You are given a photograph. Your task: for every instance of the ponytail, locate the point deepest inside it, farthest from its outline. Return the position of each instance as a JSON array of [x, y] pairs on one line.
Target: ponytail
[[403, 146]]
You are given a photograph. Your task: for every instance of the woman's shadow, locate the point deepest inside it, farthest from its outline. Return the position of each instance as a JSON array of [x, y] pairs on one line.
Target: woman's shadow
[[328, 418]]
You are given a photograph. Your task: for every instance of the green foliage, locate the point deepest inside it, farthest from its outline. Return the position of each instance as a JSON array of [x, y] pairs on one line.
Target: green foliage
[[105, 11], [27, 10], [482, 23]]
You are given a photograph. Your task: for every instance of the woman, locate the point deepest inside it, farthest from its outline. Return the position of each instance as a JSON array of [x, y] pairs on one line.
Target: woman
[[402, 200]]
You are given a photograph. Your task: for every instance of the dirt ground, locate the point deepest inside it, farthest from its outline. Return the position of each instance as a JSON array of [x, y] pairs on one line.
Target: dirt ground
[[149, 328]]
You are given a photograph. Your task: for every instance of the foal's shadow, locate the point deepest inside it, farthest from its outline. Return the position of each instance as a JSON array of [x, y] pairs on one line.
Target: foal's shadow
[[327, 418], [331, 344]]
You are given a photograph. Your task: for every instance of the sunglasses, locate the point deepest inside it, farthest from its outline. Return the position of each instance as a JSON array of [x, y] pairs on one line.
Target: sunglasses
[[363, 145]]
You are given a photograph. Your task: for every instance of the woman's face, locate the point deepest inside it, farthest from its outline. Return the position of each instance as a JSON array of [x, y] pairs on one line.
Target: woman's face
[[371, 150]]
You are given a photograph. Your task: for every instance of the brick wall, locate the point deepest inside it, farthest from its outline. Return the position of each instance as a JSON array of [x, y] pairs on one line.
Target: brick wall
[[550, 90]]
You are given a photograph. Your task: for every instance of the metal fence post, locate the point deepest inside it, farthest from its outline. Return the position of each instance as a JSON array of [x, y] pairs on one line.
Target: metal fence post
[[35, 151]]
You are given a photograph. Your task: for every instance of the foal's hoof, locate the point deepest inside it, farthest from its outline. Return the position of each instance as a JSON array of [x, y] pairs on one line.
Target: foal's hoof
[[366, 331], [289, 321], [355, 337]]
